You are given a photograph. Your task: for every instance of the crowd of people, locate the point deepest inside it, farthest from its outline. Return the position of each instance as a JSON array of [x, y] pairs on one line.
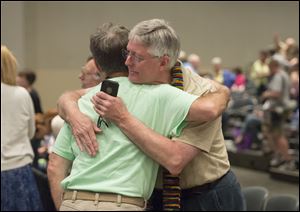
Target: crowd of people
[[264, 93], [271, 95], [162, 147]]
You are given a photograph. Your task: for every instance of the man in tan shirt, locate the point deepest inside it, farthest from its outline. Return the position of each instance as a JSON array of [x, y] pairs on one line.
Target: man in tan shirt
[[205, 181], [198, 155]]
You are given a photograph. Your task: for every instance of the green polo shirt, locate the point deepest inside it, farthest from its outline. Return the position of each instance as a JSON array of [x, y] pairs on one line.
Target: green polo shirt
[[120, 166]]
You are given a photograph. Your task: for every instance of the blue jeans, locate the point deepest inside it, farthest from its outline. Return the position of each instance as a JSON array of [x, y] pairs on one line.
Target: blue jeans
[[222, 195], [19, 191]]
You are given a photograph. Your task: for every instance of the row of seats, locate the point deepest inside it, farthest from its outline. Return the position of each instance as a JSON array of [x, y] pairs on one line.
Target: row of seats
[[257, 199]]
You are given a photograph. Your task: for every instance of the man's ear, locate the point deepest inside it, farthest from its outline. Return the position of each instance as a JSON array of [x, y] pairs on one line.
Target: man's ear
[[165, 61], [98, 66]]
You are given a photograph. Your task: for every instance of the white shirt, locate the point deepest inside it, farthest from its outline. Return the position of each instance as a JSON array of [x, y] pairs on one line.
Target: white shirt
[[17, 127]]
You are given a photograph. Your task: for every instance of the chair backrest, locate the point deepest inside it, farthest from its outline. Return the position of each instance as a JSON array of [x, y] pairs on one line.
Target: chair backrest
[[282, 202], [255, 197]]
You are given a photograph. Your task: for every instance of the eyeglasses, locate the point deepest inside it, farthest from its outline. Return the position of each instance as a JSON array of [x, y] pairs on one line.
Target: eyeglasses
[[134, 57]]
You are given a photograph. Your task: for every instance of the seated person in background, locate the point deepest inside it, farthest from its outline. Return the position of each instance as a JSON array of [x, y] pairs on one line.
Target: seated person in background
[[239, 84], [250, 136], [26, 79], [56, 124], [43, 139], [47, 139], [221, 75], [40, 131], [195, 63]]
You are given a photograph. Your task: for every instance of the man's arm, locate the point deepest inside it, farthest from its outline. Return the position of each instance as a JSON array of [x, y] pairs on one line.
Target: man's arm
[[84, 130], [205, 108], [173, 155], [57, 170], [67, 103], [269, 94], [210, 106]]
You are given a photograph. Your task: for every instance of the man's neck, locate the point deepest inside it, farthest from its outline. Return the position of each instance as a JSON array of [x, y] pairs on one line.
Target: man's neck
[[117, 74], [29, 88], [165, 78]]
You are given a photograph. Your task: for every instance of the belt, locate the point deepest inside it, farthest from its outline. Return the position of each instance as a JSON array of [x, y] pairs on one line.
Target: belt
[[104, 197]]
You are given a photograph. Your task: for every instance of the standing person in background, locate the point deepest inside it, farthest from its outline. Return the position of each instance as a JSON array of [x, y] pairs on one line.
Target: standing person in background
[[276, 106], [91, 75], [19, 191], [288, 49], [260, 72], [26, 79], [294, 78]]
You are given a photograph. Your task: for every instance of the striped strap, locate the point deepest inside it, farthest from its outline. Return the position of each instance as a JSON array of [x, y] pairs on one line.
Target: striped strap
[[171, 188]]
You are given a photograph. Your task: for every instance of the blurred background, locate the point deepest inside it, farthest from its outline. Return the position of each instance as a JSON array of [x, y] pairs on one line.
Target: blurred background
[[52, 38]]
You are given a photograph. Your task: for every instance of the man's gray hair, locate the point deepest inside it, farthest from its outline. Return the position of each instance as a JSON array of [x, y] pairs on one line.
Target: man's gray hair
[[159, 37]]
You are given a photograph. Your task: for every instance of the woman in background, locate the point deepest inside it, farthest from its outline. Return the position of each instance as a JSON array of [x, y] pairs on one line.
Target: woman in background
[[19, 191]]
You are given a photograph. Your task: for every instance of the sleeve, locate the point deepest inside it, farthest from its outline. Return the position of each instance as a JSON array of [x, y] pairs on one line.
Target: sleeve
[[200, 135], [276, 83], [253, 71], [31, 120], [63, 143], [177, 104], [195, 84]]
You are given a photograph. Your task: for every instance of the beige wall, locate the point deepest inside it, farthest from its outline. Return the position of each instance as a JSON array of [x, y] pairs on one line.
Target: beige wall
[[53, 37], [13, 29]]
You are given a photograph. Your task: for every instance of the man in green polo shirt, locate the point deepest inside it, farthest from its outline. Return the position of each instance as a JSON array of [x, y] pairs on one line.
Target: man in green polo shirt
[[121, 167]]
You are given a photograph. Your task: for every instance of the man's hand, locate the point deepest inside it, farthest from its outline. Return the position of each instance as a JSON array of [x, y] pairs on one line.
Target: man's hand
[[84, 131], [110, 107]]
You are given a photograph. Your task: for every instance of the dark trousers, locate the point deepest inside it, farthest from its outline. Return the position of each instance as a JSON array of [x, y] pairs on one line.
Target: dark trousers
[[222, 195]]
